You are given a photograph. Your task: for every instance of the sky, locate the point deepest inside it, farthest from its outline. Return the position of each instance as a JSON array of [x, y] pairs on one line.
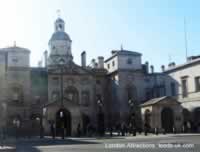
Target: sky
[[154, 28]]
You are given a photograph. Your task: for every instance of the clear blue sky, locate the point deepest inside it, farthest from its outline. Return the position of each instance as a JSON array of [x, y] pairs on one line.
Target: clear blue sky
[[153, 27]]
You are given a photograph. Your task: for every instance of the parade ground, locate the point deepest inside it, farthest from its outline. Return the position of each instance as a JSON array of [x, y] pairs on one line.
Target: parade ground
[[140, 143]]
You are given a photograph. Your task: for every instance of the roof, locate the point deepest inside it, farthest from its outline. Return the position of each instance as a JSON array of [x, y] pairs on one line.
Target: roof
[[182, 66], [155, 100], [59, 20], [59, 35], [15, 49], [123, 52]]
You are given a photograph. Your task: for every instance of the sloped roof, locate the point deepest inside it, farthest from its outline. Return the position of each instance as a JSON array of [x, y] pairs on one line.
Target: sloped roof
[[156, 100]]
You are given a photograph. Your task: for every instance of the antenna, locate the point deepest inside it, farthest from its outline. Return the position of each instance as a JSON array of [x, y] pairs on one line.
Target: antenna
[[186, 43], [169, 58]]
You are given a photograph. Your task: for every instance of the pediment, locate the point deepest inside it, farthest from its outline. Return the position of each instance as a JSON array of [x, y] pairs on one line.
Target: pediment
[[70, 68]]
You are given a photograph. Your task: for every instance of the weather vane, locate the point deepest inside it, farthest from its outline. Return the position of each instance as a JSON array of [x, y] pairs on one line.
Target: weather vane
[[58, 12]]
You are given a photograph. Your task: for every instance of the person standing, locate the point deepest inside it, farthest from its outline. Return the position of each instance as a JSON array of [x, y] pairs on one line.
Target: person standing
[[52, 130]]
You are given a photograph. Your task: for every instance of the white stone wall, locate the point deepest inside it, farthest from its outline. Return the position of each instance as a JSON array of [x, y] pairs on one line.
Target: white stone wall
[[120, 62], [193, 99], [136, 62], [18, 58]]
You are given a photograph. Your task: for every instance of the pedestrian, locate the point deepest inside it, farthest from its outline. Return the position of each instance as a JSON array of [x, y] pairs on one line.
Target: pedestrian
[[123, 129], [111, 131], [52, 130], [79, 130], [41, 131], [145, 129], [189, 126]]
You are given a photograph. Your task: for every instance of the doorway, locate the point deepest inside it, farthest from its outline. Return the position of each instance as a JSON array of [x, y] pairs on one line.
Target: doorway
[[63, 120]]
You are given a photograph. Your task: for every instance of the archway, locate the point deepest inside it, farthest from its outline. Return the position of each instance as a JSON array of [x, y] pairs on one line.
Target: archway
[[147, 118], [63, 121], [86, 122], [196, 116], [167, 119], [71, 94], [36, 124], [187, 121], [101, 125]]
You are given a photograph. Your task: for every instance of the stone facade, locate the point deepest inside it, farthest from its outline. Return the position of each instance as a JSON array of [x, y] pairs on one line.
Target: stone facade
[[104, 93]]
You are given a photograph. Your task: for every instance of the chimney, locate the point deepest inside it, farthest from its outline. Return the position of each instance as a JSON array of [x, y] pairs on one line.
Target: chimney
[[83, 59], [147, 66], [171, 65], [152, 69], [101, 62], [93, 63], [113, 52], [45, 58], [163, 68]]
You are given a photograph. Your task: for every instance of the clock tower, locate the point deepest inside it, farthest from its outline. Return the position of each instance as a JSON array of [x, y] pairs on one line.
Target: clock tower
[[60, 44]]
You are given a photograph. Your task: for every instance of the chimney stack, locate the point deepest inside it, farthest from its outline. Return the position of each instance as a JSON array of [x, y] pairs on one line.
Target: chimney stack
[[152, 69], [147, 66], [83, 59], [171, 65], [101, 62], [93, 63], [163, 68], [45, 58]]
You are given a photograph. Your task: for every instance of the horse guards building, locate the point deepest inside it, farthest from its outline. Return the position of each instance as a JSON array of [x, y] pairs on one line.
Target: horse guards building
[[102, 94]]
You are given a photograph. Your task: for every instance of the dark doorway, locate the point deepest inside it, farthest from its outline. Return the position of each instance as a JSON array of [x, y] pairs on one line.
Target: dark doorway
[[147, 118], [196, 119], [101, 125], [86, 122], [167, 118], [36, 122], [63, 120]]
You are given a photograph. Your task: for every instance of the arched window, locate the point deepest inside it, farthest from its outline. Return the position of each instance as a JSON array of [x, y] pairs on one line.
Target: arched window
[[55, 96], [71, 94], [17, 94], [85, 97]]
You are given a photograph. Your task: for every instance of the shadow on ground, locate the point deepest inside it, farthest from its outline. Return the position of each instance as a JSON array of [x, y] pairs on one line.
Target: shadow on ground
[[31, 145]]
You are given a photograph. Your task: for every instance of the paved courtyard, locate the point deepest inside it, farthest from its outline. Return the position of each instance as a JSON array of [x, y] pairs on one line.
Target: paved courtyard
[[162, 143]]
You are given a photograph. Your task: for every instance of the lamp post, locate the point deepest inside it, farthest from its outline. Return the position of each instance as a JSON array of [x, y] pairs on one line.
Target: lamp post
[[100, 117], [61, 65], [132, 117], [16, 123]]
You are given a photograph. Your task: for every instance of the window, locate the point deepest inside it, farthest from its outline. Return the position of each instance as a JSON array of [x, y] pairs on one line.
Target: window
[[173, 89], [108, 65], [184, 87], [55, 96], [197, 83], [113, 63], [85, 98], [15, 60], [129, 61], [98, 82]]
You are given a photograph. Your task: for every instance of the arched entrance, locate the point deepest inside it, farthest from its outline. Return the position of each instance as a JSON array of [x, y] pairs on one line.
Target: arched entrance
[[101, 125], [63, 121], [147, 118], [36, 124], [86, 122], [196, 116], [167, 119]]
